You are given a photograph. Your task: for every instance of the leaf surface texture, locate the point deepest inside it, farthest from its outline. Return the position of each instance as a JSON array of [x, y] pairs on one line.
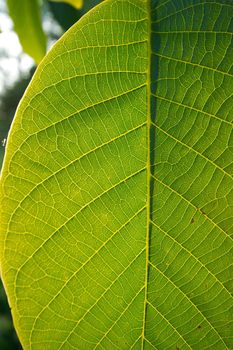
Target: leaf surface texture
[[117, 183]]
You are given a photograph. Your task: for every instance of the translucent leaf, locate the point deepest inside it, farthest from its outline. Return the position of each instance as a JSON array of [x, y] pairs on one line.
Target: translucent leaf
[[117, 183], [27, 24]]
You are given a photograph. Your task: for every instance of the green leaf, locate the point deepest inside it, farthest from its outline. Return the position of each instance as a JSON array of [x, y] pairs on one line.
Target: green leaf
[[27, 24], [117, 183], [78, 4]]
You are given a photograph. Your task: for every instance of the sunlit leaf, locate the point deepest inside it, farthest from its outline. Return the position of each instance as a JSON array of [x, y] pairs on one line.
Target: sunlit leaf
[[75, 3], [117, 183], [27, 24]]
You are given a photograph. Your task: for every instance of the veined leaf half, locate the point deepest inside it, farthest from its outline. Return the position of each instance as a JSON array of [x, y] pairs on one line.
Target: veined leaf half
[[117, 183]]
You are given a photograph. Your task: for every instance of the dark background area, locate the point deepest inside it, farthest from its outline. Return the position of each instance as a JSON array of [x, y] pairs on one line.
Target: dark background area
[[56, 18]]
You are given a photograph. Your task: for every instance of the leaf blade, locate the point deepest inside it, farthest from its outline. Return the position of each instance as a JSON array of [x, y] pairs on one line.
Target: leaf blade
[[117, 83], [191, 179], [93, 227]]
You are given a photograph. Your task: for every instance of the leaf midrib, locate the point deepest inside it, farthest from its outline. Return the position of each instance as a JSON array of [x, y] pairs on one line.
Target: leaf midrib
[[148, 168]]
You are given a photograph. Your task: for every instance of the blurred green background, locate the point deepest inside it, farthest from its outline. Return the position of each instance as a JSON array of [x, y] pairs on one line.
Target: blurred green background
[[16, 71]]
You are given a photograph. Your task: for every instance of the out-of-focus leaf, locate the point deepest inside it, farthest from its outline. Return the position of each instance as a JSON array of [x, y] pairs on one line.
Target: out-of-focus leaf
[[78, 4], [27, 24]]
